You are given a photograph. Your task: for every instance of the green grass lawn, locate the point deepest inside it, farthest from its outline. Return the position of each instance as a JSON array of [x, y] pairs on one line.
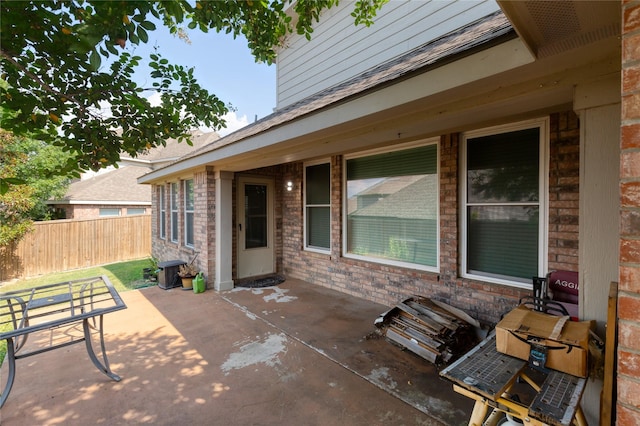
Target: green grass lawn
[[124, 276]]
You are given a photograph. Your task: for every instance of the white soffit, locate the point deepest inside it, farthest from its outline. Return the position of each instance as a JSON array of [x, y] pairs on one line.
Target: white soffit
[[553, 27]]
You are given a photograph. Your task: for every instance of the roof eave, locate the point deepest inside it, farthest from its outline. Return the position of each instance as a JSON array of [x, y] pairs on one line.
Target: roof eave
[[508, 54]]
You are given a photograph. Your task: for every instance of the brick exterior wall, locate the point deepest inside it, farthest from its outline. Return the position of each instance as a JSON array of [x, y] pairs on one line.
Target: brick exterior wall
[[204, 209], [628, 368], [204, 198], [155, 212], [564, 180], [289, 226], [80, 211], [388, 284], [484, 301], [377, 282]]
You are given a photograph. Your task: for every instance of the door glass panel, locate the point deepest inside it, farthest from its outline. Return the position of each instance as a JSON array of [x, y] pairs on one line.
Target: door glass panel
[[255, 216]]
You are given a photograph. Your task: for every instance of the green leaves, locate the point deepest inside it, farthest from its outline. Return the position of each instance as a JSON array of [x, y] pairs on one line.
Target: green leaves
[[29, 175], [94, 60], [5, 182], [53, 57], [148, 25], [365, 11], [142, 34]]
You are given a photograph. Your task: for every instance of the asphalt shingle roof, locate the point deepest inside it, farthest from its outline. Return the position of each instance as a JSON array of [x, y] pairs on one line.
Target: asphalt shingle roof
[[418, 200], [174, 149], [434, 53], [114, 185], [122, 184]]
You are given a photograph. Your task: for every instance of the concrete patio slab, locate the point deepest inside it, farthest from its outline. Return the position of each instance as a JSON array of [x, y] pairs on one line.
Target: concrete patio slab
[[291, 354]]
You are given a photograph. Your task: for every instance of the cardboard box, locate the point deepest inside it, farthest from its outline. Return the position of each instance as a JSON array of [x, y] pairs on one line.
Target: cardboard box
[[566, 342]]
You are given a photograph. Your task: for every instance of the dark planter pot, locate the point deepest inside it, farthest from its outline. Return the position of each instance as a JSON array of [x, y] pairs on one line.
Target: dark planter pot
[[146, 273]]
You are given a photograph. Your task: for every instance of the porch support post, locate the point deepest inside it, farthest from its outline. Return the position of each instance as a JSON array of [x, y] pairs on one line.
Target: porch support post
[[598, 106], [224, 230]]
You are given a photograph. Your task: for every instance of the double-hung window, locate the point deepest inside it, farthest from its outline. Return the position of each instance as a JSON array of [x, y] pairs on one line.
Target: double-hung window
[[503, 211], [188, 212], [174, 211], [162, 219], [317, 209], [392, 207]]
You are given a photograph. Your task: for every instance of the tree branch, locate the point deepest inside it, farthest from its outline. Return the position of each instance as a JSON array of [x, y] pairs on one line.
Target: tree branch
[[33, 76]]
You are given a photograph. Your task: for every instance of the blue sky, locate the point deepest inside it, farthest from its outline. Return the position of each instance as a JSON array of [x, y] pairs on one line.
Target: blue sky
[[223, 65]]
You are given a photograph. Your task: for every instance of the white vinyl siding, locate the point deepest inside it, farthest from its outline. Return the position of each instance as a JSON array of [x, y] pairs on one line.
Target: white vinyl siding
[[339, 50], [503, 212], [392, 207]]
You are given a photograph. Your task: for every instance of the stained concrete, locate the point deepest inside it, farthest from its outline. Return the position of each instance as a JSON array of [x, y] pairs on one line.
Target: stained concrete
[[288, 355]]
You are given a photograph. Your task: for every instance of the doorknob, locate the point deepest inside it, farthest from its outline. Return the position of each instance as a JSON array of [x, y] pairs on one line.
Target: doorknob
[[240, 227]]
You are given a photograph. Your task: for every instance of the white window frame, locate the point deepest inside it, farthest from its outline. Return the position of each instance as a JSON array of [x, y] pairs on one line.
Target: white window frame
[[345, 235], [162, 201], [135, 211], [543, 182], [109, 212], [174, 225], [188, 212], [307, 247]]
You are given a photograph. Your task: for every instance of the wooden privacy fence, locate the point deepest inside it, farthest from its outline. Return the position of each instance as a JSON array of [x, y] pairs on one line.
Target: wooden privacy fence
[[61, 245]]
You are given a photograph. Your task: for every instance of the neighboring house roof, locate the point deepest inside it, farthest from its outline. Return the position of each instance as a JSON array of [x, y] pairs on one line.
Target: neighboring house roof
[[419, 200], [390, 185], [174, 149], [120, 186], [117, 186], [383, 188], [481, 33]]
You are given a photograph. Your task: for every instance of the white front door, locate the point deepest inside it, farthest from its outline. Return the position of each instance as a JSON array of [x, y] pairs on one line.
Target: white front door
[[255, 227]]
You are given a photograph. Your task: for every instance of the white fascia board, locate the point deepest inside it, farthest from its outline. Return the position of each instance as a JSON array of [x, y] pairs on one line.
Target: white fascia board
[[486, 63], [125, 160], [495, 60]]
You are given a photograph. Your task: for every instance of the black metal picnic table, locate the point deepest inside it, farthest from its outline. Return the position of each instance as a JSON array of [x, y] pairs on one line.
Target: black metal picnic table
[[54, 306]]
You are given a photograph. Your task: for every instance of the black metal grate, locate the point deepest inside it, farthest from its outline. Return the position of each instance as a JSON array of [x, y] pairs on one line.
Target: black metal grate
[[558, 398], [484, 369]]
